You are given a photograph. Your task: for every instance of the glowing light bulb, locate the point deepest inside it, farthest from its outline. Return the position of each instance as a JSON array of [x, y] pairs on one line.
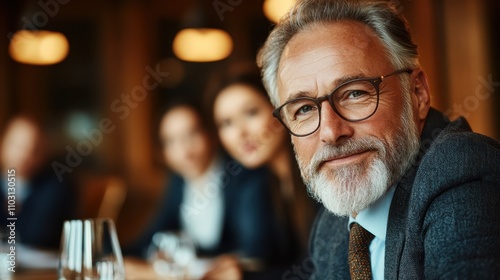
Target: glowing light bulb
[[202, 44], [38, 47], [275, 9]]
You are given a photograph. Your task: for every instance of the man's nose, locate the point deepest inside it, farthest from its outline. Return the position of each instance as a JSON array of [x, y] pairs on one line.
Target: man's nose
[[333, 128]]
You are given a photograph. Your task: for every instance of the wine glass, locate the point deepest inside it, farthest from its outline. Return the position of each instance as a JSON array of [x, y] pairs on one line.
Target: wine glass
[[90, 250], [171, 254]]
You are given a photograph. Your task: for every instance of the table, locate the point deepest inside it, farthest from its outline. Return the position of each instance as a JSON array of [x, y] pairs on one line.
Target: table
[[35, 274]]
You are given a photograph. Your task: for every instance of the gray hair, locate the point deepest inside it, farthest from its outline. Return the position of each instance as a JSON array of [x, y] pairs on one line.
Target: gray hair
[[381, 17]]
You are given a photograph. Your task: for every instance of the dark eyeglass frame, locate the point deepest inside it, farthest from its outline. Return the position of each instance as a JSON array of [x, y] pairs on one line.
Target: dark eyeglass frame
[[375, 81]]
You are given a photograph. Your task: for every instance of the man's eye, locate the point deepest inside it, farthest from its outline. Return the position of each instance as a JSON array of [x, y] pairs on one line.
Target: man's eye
[[356, 94], [301, 108], [304, 109]]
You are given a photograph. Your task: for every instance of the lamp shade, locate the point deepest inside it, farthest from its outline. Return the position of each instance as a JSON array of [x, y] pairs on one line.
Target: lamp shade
[[275, 9], [38, 47], [202, 44]]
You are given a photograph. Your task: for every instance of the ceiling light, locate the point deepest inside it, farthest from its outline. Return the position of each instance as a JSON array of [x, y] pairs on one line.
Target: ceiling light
[[202, 44], [38, 47], [275, 9]]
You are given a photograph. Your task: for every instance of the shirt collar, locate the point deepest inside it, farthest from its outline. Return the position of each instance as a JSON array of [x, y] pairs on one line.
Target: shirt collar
[[374, 218]]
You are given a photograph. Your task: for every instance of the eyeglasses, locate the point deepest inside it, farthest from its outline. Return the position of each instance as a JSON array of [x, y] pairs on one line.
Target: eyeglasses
[[353, 101]]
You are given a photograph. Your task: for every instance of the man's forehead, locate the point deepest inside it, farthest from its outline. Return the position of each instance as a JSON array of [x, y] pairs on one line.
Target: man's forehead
[[343, 37], [325, 47]]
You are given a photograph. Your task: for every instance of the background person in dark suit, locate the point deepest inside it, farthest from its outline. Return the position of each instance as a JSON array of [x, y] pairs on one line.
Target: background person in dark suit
[[422, 192], [42, 203], [223, 207]]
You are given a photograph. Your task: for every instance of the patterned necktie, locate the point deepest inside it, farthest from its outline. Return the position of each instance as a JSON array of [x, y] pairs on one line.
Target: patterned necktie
[[359, 252]]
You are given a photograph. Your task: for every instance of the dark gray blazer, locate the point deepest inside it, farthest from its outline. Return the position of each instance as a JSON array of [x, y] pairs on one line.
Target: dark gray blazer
[[444, 220]]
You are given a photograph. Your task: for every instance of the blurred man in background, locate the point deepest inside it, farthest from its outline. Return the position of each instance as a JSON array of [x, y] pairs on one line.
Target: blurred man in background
[[38, 200]]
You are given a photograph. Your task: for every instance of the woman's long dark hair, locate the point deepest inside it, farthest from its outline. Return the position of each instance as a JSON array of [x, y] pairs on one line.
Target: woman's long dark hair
[[296, 213]]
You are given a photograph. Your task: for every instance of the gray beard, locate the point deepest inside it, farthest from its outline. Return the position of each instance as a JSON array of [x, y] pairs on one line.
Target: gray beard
[[354, 187]]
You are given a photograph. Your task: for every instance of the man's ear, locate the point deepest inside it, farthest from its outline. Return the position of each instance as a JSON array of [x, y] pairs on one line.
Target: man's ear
[[421, 95]]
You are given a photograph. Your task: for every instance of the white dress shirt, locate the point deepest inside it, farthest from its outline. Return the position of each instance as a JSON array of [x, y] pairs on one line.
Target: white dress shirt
[[205, 226]]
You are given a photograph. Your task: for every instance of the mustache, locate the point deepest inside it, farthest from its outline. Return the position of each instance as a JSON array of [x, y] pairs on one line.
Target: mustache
[[346, 148]]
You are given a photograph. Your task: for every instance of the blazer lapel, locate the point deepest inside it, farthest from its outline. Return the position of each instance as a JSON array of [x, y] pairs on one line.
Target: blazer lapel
[[398, 213], [396, 225]]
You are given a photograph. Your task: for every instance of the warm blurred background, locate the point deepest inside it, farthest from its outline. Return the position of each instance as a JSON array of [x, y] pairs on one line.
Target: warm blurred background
[[112, 81]]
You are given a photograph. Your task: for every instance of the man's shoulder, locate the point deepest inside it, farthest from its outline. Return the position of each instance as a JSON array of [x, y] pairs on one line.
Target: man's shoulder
[[456, 158], [453, 204], [453, 137], [460, 155]]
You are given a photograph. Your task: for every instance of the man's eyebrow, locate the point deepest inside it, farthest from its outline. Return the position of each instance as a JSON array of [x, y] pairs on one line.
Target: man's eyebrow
[[298, 95], [335, 84], [346, 79]]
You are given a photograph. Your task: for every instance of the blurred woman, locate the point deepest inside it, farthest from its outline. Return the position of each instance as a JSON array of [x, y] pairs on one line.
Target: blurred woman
[[247, 129], [209, 196]]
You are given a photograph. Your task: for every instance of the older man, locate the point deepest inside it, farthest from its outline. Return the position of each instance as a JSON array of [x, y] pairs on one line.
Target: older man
[[409, 194]]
